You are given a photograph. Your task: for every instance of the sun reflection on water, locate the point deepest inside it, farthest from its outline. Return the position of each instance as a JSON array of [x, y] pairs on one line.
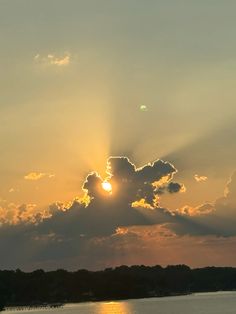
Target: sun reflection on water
[[114, 308]]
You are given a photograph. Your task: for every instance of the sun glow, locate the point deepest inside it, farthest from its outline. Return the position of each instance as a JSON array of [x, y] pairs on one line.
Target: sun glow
[[114, 307], [107, 186]]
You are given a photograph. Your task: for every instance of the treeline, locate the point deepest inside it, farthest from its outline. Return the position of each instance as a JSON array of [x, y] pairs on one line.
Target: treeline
[[39, 287]]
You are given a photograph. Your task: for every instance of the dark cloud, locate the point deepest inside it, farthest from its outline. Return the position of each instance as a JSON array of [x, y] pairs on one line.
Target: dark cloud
[[129, 183], [66, 234], [135, 183], [174, 187], [93, 185], [106, 211]]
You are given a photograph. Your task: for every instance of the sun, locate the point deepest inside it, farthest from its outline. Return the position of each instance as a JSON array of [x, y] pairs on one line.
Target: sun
[[107, 186]]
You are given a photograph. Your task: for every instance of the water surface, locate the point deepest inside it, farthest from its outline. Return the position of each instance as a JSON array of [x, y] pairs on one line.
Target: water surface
[[199, 303]]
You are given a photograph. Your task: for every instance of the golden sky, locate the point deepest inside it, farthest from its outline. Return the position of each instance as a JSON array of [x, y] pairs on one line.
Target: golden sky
[[81, 81]]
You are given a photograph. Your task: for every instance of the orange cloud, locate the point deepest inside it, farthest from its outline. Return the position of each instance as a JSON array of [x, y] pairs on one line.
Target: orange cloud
[[203, 209], [200, 178], [34, 176], [158, 244], [13, 214], [143, 204]]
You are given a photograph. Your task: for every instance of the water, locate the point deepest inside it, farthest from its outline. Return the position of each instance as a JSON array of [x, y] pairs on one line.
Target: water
[[199, 303]]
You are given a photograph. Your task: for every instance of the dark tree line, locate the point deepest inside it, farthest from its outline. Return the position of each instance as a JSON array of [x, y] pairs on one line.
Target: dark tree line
[[37, 287]]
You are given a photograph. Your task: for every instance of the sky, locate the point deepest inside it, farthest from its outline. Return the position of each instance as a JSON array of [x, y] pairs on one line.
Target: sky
[[135, 94]]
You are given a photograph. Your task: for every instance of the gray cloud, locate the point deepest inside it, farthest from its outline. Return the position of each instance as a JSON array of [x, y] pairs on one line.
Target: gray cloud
[[66, 237], [66, 233], [129, 183], [172, 187]]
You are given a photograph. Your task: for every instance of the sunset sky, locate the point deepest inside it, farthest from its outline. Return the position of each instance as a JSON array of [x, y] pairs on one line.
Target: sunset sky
[[137, 94]]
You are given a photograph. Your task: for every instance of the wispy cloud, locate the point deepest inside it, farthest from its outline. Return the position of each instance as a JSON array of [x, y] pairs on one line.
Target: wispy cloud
[[34, 176], [200, 178], [203, 209], [52, 59]]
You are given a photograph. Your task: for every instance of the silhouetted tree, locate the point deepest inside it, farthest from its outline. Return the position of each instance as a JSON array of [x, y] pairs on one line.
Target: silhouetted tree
[[37, 287]]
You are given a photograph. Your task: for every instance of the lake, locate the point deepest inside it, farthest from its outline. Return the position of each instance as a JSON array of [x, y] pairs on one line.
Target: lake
[[198, 303]]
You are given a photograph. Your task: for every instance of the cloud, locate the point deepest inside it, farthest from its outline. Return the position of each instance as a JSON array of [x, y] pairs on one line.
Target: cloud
[[203, 209], [172, 187], [130, 183], [34, 176], [12, 214], [218, 217], [62, 232], [52, 59], [102, 225], [200, 178], [158, 244], [134, 198]]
